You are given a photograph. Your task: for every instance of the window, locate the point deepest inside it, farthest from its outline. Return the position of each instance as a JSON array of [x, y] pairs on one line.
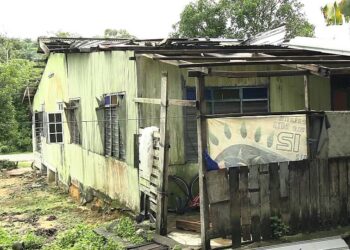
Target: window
[[73, 114], [38, 129], [222, 100], [225, 100], [55, 128], [114, 125]]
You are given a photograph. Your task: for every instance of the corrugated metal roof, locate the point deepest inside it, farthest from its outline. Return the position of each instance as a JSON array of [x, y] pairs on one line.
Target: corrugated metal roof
[[52, 44], [272, 37], [330, 46]]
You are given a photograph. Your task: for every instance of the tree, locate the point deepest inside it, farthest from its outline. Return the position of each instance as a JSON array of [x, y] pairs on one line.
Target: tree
[[118, 33], [242, 18], [334, 12], [202, 18], [16, 71]]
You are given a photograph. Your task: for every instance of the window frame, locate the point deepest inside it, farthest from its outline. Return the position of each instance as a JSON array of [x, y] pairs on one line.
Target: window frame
[[121, 144], [38, 130], [239, 100], [68, 111], [55, 123]]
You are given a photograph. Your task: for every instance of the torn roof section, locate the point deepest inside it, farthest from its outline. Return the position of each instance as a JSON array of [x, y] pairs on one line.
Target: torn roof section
[[331, 46]]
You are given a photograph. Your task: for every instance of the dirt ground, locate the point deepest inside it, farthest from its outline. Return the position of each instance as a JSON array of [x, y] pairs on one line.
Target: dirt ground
[[28, 203]]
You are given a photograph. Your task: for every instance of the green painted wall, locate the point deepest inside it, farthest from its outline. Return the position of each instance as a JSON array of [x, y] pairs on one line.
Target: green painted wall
[[286, 94], [89, 76]]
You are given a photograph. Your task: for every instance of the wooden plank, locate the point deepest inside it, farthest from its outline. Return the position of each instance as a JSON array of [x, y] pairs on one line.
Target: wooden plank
[[265, 212], [284, 192], [343, 190], [324, 193], [253, 74], [173, 102], [294, 196], [348, 176], [182, 103], [156, 162], [254, 191], [245, 208], [202, 145], [304, 194], [221, 50], [194, 226], [147, 100], [259, 114], [162, 202], [217, 186], [260, 58], [314, 193], [306, 93], [267, 62], [334, 191], [235, 207], [284, 179], [153, 206], [167, 241], [220, 218], [274, 189]]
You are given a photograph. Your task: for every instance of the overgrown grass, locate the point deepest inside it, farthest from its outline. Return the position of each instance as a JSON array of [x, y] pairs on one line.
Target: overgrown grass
[[28, 241], [24, 164], [126, 229], [82, 237]]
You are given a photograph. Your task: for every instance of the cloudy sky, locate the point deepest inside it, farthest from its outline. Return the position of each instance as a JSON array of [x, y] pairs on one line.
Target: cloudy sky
[[144, 19]]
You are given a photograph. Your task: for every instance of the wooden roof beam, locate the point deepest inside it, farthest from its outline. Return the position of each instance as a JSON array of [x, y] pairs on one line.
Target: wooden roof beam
[[203, 70], [265, 73], [221, 50], [266, 62], [260, 58], [334, 71]]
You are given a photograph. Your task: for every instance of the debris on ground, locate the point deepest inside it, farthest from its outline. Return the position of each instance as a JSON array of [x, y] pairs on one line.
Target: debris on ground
[[35, 215], [19, 172]]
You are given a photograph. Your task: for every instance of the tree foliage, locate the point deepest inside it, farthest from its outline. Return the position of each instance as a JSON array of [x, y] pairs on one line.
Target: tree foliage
[[118, 33], [16, 70], [336, 13], [203, 18], [241, 18]]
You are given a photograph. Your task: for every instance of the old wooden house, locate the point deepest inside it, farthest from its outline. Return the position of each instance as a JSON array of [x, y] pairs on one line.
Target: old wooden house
[[96, 94]]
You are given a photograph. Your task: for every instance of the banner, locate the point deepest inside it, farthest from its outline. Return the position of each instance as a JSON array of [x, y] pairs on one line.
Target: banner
[[242, 141]]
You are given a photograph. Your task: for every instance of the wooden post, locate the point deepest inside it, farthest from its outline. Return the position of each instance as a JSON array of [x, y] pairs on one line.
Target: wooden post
[[162, 199], [235, 207], [306, 92], [202, 146]]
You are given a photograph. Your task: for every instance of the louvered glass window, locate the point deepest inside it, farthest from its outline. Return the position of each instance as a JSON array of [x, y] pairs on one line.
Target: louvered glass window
[[114, 126], [38, 127], [74, 121]]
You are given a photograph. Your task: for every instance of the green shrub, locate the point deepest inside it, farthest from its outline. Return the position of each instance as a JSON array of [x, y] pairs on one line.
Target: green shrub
[[278, 227], [79, 237], [6, 240], [32, 241], [126, 229]]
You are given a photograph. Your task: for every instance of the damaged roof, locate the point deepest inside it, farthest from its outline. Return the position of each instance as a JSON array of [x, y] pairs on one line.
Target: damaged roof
[[58, 44]]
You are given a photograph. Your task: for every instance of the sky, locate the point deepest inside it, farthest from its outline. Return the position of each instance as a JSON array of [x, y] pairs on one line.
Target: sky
[[144, 19]]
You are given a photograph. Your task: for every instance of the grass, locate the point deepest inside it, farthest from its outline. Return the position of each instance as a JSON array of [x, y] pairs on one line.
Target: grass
[[24, 164], [82, 237], [27, 202], [28, 240]]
